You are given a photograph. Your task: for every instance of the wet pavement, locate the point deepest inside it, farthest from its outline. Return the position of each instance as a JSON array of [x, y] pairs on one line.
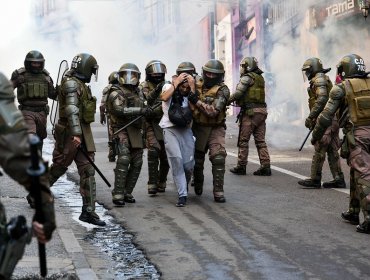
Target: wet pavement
[[77, 250], [124, 260]]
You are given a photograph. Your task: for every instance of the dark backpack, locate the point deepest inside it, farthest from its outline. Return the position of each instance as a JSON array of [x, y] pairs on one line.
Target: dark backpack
[[178, 115]]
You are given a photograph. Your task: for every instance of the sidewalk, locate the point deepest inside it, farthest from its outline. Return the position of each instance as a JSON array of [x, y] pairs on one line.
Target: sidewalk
[[65, 256]]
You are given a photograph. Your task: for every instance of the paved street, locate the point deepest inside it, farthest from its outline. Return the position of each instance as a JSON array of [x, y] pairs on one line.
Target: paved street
[[269, 228]]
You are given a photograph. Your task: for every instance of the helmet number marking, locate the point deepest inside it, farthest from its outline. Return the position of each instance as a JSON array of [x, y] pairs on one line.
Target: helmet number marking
[[360, 64]]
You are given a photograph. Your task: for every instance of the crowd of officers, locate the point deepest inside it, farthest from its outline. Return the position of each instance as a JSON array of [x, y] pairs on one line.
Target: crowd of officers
[[126, 99], [133, 113]]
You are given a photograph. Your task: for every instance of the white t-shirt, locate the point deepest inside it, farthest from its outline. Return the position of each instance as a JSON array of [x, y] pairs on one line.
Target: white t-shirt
[[165, 121]]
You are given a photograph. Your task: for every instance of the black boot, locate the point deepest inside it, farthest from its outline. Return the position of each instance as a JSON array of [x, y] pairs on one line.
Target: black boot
[[198, 188], [309, 183], [336, 183], [219, 199], [129, 198], [363, 228], [239, 170], [263, 171], [91, 218], [351, 217]]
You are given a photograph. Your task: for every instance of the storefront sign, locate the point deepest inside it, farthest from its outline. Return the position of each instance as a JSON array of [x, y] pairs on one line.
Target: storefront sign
[[338, 9], [341, 8]]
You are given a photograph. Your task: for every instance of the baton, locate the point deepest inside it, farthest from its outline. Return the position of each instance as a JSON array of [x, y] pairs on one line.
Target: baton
[[134, 120], [93, 164], [305, 140]]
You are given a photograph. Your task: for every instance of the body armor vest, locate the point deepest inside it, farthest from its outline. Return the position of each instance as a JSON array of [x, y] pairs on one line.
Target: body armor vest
[[33, 86], [312, 94], [209, 97], [158, 111], [86, 102], [130, 98], [255, 93], [358, 100]]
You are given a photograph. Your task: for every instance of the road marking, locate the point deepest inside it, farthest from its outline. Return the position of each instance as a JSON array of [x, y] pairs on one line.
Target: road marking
[[285, 171]]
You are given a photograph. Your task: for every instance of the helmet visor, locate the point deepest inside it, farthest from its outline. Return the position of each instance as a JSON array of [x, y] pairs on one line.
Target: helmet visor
[[156, 68], [129, 78], [95, 71], [305, 75]]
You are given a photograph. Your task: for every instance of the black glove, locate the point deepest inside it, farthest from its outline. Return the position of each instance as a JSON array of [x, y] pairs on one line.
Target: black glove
[[309, 123], [193, 98], [313, 141], [158, 89], [147, 112]]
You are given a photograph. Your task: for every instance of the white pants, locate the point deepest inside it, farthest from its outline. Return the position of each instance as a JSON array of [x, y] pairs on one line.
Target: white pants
[[179, 144]]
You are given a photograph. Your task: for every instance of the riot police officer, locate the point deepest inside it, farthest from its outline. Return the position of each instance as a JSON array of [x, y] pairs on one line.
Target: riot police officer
[[209, 114], [250, 96], [105, 116], [34, 85], [15, 159], [158, 166], [77, 107], [350, 99], [124, 104], [318, 91]]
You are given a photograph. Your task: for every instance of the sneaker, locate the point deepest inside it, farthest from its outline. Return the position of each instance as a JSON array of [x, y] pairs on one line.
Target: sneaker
[[351, 217], [91, 218], [309, 183], [181, 202], [239, 170]]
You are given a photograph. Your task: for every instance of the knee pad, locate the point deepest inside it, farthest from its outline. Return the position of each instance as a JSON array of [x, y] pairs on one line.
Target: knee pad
[[123, 160], [218, 160]]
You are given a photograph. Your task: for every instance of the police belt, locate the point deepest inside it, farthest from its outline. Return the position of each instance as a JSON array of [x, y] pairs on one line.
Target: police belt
[[32, 109], [254, 105]]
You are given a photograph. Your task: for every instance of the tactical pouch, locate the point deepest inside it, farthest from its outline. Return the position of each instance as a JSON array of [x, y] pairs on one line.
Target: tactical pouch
[[60, 133], [358, 98], [89, 109]]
